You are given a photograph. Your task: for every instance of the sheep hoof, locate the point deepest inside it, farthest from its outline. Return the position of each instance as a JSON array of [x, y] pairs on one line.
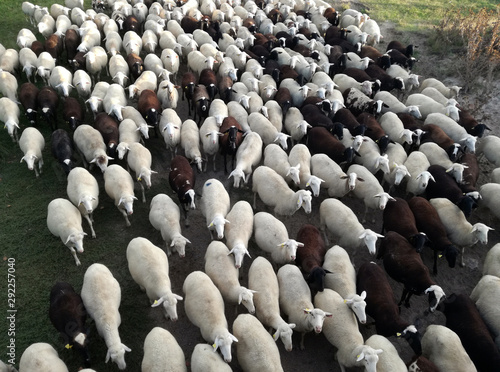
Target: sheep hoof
[[462, 264]]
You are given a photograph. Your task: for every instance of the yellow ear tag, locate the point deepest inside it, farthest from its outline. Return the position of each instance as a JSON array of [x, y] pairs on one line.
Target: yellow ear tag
[[345, 301], [214, 346], [440, 256], [139, 179], [68, 346], [308, 309], [357, 356], [398, 334], [156, 301]]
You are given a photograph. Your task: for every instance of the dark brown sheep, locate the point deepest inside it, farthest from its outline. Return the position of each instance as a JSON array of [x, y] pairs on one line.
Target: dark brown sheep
[[108, 127], [48, 100], [73, 112], [182, 179], [71, 41], [311, 256], [28, 97], [321, 141], [231, 139], [149, 106], [135, 65]]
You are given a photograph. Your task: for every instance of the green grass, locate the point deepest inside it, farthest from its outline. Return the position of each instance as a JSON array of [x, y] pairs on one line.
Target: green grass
[[419, 15]]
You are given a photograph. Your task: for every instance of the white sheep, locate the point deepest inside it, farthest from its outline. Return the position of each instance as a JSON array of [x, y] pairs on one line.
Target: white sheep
[[371, 158], [227, 68], [295, 124], [428, 105], [238, 230], [168, 94], [46, 26], [164, 215], [341, 331], [203, 359], [82, 83], [149, 41], [459, 230], [119, 186], [113, 100], [272, 110], [238, 112], [65, 221], [274, 192], [489, 195], [32, 144], [96, 59], [394, 128], [170, 128], [491, 264], [417, 164], [389, 360], [397, 157], [146, 80], [409, 80], [161, 350], [63, 23], [41, 357], [256, 349], [454, 130], [489, 148], [436, 155], [119, 70], [248, 156], [443, 347], [356, 37], [90, 144], [484, 294], [9, 85], [301, 157], [370, 191], [132, 43], [220, 268], [371, 27], [27, 60], [139, 161], [101, 295], [332, 175], [341, 222], [277, 159], [197, 61], [130, 112], [90, 37], [395, 105], [114, 44], [218, 110], [128, 135], [295, 302], [190, 142], [204, 307], [436, 95], [153, 63], [263, 280], [61, 80], [448, 92], [345, 82], [9, 115], [215, 205], [95, 101], [342, 279], [209, 136], [267, 86], [25, 37], [495, 175], [170, 61], [298, 93], [83, 192], [148, 266]]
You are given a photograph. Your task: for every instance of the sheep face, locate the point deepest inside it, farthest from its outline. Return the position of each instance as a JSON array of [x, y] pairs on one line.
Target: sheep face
[[87, 203], [169, 303], [285, 334], [383, 199], [238, 175], [480, 231], [178, 245], [304, 200], [370, 239], [315, 184], [357, 304], [450, 252], [239, 251], [411, 335], [435, 293], [316, 317], [117, 354], [126, 203], [224, 343], [369, 357], [30, 161], [217, 224], [400, 172], [246, 298], [122, 149], [76, 241]]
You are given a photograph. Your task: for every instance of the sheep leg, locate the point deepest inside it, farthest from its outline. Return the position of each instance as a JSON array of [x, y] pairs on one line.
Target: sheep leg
[[40, 164], [89, 220], [406, 295], [363, 219], [36, 171], [462, 264], [124, 212], [255, 202], [73, 252], [435, 269], [302, 335], [143, 192]]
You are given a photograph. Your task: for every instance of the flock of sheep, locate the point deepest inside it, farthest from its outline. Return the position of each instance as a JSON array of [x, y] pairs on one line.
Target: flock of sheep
[[273, 91]]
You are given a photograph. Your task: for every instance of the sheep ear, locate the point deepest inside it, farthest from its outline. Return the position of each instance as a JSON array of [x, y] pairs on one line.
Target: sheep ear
[[276, 335], [126, 348], [158, 302], [360, 357], [108, 355], [363, 295]]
